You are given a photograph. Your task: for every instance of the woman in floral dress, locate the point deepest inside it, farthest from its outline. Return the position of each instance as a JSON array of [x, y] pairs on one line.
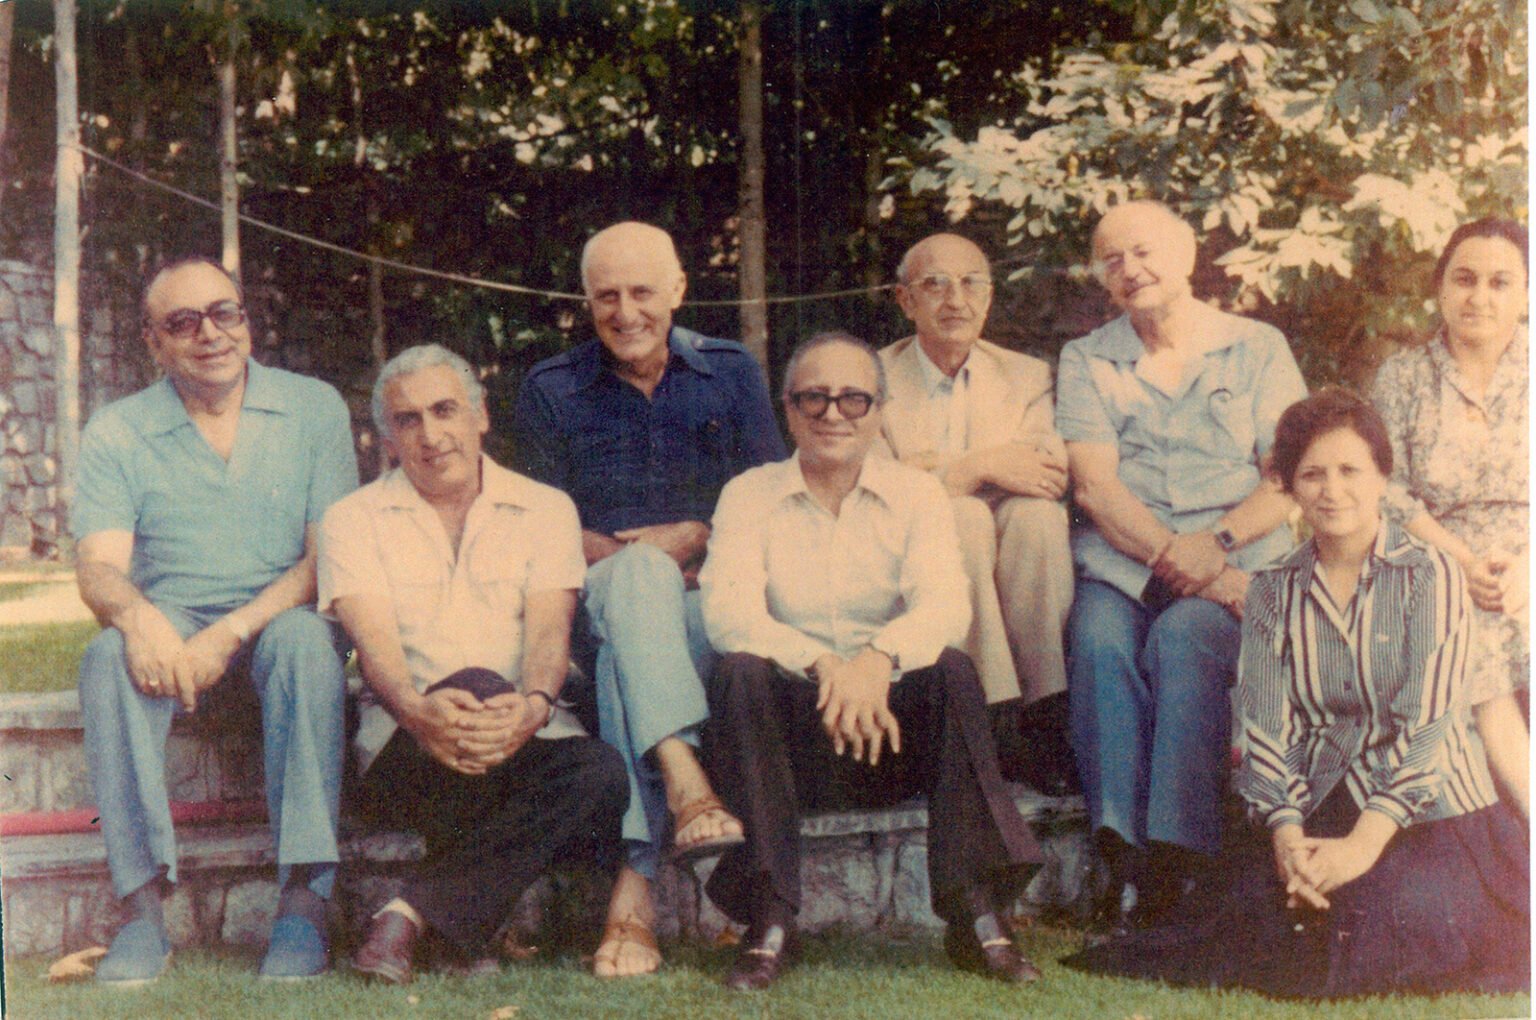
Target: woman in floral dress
[[1457, 413]]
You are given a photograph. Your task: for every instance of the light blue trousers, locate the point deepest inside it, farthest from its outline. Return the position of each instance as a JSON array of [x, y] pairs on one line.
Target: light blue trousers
[[652, 652], [1150, 714], [296, 669]]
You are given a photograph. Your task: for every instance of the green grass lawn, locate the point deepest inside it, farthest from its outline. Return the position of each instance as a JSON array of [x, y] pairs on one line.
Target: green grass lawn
[[876, 978], [12, 590], [42, 657]]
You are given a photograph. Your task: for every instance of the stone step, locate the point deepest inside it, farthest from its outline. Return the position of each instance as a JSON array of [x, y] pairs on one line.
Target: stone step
[[212, 756], [864, 869]]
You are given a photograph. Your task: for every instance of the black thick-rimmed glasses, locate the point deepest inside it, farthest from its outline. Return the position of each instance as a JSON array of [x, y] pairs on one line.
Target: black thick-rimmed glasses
[[851, 404], [184, 323]]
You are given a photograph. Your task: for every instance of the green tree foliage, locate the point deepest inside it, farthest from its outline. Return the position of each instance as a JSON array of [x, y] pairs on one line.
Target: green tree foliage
[[1325, 149]]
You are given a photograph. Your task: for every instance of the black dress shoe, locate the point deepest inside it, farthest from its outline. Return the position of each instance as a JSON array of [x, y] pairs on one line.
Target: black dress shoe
[[761, 958], [987, 948]]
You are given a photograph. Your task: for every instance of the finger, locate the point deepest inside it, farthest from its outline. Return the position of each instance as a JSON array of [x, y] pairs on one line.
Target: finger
[[891, 727], [823, 692], [856, 741], [186, 690], [874, 749]]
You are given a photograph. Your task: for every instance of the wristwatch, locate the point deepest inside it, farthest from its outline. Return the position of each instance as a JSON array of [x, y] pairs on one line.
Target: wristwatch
[[895, 659], [548, 701], [1226, 539]]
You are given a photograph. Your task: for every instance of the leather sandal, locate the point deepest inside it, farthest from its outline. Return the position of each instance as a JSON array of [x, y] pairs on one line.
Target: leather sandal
[[620, 932], [704, 848]]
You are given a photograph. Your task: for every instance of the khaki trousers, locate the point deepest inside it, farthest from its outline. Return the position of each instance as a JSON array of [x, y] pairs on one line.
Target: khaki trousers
[[1019, 564]]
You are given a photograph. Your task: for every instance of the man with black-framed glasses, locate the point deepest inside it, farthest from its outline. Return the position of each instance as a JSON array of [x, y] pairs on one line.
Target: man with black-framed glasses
[[198, 504], [834, 591], [979, 418]]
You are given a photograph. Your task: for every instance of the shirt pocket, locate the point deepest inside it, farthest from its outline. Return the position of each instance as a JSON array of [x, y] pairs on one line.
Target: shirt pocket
[[1229, 434], [417, 587], [497, 582]]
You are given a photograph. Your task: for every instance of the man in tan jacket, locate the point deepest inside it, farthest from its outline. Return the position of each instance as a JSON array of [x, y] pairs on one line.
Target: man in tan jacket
[[979, 417]]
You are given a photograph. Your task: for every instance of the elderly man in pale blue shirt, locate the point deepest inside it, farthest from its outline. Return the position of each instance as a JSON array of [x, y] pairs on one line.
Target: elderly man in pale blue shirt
[[195, 519], [1168, 413]]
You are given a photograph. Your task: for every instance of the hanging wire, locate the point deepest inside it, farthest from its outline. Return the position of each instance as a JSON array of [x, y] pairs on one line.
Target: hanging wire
[[459, 278]]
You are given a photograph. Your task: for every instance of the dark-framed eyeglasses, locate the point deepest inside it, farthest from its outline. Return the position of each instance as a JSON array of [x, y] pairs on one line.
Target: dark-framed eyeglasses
[[936, 285], [851, 404], [184, 323]]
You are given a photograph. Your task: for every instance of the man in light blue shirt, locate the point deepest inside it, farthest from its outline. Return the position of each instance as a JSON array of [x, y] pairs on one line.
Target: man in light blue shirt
[[198, 502], [1168, 413]]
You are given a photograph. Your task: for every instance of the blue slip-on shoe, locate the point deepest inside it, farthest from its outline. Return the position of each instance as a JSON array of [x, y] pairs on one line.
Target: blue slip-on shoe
[[139, 955], [298, 950]]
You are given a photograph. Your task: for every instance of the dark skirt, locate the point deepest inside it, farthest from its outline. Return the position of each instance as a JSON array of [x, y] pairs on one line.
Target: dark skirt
[[1446, 908]]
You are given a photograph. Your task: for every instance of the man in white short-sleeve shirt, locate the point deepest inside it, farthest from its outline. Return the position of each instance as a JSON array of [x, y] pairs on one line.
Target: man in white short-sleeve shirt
[[457, 581]]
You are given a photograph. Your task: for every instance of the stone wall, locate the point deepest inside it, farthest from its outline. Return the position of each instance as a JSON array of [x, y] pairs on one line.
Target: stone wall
[[30, 521]]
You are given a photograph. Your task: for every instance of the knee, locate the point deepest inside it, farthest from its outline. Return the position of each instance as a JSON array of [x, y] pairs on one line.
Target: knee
[[1040, 523], [299, 633], [1194, 636], [640, 569], [977, 531]]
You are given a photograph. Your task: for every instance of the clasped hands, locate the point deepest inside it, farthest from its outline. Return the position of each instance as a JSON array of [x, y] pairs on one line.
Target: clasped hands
[[469, 735], [1196, 564], [853, 696], [163, 664], [1312, 867]]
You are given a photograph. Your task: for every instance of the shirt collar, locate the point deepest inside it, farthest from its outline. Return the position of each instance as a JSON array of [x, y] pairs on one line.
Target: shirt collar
[[877, 476], [591, 359], [497, 485], [1392, 548], [933, 375], [167, 413], [1119, 341], [1513, 363]]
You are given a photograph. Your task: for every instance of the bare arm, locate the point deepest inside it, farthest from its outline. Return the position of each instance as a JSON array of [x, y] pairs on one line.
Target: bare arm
[[160, 661], [1126, 522]]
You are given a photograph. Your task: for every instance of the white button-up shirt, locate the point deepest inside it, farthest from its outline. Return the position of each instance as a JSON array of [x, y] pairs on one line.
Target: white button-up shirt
[[787, 581], [452, 612]]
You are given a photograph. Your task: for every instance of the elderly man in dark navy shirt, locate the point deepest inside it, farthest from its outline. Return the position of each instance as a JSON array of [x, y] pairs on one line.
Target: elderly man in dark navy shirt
[[642, 427]]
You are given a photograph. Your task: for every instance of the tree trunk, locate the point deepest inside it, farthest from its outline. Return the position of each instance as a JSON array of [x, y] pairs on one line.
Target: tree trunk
[[69, 168], [377, 323], [753, 267], [229, 185], [7, 26]]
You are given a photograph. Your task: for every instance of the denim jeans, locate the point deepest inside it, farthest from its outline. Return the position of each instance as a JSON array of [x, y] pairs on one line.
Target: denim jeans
[[652, 653], [296, 669], [1150, 714]]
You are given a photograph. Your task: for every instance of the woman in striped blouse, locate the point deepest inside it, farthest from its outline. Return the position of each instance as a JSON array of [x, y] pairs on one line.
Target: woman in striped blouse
[[1394, 866]]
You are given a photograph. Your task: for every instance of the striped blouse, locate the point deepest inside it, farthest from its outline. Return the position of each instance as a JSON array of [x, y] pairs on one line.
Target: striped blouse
[[1369, 693]]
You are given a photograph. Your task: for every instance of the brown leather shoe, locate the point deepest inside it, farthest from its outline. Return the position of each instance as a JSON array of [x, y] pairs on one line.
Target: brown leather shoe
[[987, 948], [762, 958], [386, 953]]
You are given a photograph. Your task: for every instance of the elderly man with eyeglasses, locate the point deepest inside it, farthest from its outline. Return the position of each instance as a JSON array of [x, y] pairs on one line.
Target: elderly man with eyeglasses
[[833, 588], [979, 418], [199, 499]]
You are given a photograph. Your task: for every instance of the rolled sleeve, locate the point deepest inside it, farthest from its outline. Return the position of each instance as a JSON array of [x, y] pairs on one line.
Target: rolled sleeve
[[335, 472], [105, 499], [558, 562], [933, 585], [1080, 413], [349, 561]]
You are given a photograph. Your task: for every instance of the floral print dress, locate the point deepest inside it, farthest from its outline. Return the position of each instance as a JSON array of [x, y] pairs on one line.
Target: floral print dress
[[1465, 461]]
